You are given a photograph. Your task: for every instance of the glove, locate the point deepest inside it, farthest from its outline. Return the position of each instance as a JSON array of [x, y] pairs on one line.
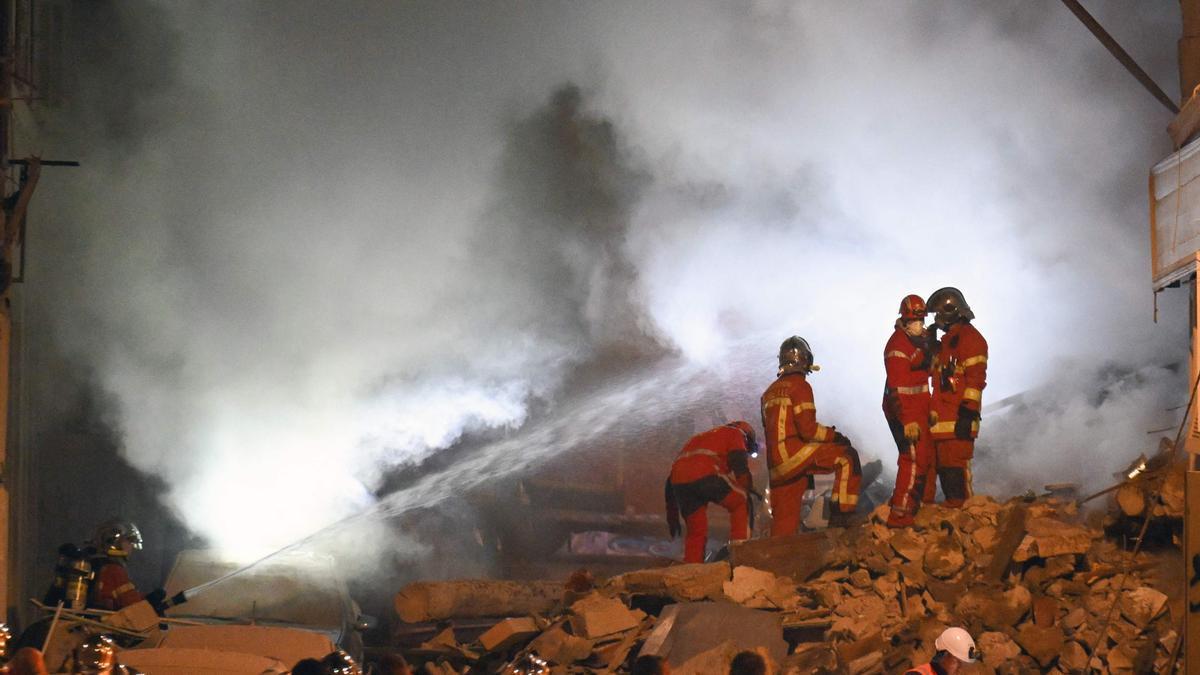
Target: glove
[[912, 432], [157, 599], [962, 426], [840, 439], [933, 418]]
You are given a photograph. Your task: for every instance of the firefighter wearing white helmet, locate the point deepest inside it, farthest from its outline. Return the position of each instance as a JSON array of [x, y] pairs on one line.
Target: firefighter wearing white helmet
[[954, 648]]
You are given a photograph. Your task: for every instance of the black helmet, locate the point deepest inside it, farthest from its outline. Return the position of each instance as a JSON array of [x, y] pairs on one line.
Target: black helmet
[[949, 307], [795, 356]]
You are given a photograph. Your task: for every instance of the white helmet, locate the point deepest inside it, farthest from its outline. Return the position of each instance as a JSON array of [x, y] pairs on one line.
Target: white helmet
[[959, 643]]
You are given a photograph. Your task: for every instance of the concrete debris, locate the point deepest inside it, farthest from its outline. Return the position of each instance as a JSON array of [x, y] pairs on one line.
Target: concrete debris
[[1028, 578], [715, 660], [998, 648], [560, 647], [1048, 537], [1142, 605], [1043, 644], [437, 600], [685, 630], [1131, 499], [944, 558], [682, 583], [909, 546], [508, 633], [796, 557], [761, 590], [1074, 657], [597, 616]]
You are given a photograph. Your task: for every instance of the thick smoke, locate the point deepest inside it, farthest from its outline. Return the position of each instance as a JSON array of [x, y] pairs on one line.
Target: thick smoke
[[347, 238]]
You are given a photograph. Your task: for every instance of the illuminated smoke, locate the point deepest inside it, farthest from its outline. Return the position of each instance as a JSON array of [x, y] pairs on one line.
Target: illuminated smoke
[[342, 241]]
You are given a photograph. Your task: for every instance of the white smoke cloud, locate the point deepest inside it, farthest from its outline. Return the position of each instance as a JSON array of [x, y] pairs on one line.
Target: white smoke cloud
[[350, 242]]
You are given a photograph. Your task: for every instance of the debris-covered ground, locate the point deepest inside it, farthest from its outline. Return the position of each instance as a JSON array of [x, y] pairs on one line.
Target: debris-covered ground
[[1041, 587]]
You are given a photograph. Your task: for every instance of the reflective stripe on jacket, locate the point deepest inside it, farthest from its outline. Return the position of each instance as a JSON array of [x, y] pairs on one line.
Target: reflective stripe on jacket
[[959, 377], [907, 377], [790, 425]]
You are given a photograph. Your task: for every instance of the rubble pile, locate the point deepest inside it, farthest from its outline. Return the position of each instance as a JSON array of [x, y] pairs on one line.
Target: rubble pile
[[1039, 590]]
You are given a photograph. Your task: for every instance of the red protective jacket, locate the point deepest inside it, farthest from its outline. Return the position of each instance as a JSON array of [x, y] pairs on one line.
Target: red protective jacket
[[959, 376], [708, 454], [907, 382], [112, 588], [790, 425]]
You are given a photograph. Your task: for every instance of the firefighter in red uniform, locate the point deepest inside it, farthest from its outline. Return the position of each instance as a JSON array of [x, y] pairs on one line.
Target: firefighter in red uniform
[[714, 466], [959, 375], [798, 447], [906, 404], [112, 588]]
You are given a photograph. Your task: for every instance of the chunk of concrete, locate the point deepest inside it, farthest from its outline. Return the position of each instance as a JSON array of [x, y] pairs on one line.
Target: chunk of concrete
[[944, 558], [436, 600], [1074, 657], [909, 545], [986, 537], [596, 616], [1045, 611], [714, 660], [1047, 537], [750, 587], [1043, 644], [697, 581], [997, 648], [507, 633], [686, 630], [1142, 605], [557, 646]]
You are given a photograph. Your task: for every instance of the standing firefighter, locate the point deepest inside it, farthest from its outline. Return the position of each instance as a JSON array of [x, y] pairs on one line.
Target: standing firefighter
[[798, 447], [906, 405], [959, 376], [714, 466]]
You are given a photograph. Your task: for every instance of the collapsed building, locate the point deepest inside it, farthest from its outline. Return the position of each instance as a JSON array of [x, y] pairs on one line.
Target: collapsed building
[[1043, 585]]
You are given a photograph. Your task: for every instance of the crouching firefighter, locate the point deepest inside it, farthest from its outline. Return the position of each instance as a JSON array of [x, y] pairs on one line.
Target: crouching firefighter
[[906, 359], [798, 447], [714, 466], [959, 376], [112, 588]]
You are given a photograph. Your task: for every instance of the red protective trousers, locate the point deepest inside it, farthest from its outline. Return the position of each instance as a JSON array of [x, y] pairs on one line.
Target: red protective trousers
[[799, 447], [906, 401], [787, 497], [697, 525], [959, 377], [953, 466], [915, 476]]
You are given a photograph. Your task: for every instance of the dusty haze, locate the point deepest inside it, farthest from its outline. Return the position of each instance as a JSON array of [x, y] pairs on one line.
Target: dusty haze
[[313, 242]]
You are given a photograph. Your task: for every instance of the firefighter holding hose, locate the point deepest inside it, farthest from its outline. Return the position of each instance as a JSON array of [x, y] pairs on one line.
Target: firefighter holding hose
[[112, 588]]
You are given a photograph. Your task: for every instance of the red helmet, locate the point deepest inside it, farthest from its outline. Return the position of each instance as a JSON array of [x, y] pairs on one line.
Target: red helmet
[[912, 307], [748, 432]]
